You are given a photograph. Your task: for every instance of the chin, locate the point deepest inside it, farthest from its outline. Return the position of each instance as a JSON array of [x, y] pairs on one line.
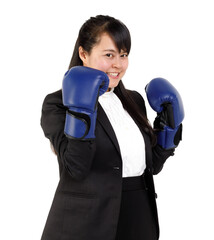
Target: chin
[[113, 85]]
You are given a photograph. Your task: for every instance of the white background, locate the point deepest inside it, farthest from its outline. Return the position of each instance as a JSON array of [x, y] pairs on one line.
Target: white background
[[170, 39]]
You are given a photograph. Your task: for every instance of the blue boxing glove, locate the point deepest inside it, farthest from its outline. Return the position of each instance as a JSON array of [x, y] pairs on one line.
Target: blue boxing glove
[[166, 101], [80, 90]]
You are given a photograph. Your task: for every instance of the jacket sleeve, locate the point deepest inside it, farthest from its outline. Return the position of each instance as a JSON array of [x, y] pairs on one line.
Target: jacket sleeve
[[75, 155], [159, 155]]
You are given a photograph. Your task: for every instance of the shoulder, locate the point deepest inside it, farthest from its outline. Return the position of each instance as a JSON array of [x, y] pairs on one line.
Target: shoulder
[[53, 102], [53, 106], [53, 111], [53, 98], [138, 99]]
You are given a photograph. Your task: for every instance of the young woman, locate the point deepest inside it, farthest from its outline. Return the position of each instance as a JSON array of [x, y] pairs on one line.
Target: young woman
[[106, 188]]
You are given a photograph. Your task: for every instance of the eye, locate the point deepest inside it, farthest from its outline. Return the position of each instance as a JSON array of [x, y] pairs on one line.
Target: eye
[[124, 55], [109, 55]]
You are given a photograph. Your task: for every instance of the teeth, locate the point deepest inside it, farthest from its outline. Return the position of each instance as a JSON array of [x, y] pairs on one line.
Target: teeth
[[113, 74]]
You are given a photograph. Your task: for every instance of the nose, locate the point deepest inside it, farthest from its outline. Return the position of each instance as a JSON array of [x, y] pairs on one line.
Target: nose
[[117, 62]]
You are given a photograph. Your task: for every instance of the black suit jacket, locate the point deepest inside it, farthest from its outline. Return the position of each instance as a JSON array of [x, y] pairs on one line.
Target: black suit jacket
[[87, 200]]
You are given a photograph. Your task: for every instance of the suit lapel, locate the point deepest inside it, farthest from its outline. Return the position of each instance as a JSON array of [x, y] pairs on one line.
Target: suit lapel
[[104, 121]]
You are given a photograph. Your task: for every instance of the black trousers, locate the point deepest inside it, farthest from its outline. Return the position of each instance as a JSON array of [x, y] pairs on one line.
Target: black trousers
[[136, 221]]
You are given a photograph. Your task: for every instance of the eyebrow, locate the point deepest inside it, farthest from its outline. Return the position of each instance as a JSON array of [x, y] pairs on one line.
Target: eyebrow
[[109, 50], [112, 50]]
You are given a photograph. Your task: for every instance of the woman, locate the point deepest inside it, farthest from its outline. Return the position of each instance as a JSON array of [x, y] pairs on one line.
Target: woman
[[106, 188]]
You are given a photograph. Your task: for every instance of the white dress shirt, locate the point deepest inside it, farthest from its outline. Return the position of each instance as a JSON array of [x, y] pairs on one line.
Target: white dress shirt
[[130, 139]]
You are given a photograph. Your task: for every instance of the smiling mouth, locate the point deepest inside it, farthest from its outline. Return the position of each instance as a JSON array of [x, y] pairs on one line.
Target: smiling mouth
[[114, 75]]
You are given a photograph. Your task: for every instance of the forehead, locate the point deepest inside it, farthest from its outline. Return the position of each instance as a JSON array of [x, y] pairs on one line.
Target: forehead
[[106, 43]]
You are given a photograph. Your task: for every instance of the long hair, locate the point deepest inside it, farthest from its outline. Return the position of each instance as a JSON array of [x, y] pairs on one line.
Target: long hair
[[89, 36]]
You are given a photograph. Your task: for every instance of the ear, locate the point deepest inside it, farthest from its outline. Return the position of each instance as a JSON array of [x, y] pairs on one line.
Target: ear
[[83, 56]]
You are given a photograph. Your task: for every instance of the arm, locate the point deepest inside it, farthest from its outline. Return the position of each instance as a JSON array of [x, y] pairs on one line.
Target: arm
[[158, 154], [166, 101], [76, 156], [69, 118]]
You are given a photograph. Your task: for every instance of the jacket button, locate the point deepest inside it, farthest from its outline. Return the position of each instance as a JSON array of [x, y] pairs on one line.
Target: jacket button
[[116, 168]]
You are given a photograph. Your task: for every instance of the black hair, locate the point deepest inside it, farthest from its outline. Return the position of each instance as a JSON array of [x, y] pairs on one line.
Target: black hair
[[91, 30], [89, 36]]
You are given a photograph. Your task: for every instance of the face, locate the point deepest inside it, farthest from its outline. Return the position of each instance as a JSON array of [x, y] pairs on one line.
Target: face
[[106, 57]]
